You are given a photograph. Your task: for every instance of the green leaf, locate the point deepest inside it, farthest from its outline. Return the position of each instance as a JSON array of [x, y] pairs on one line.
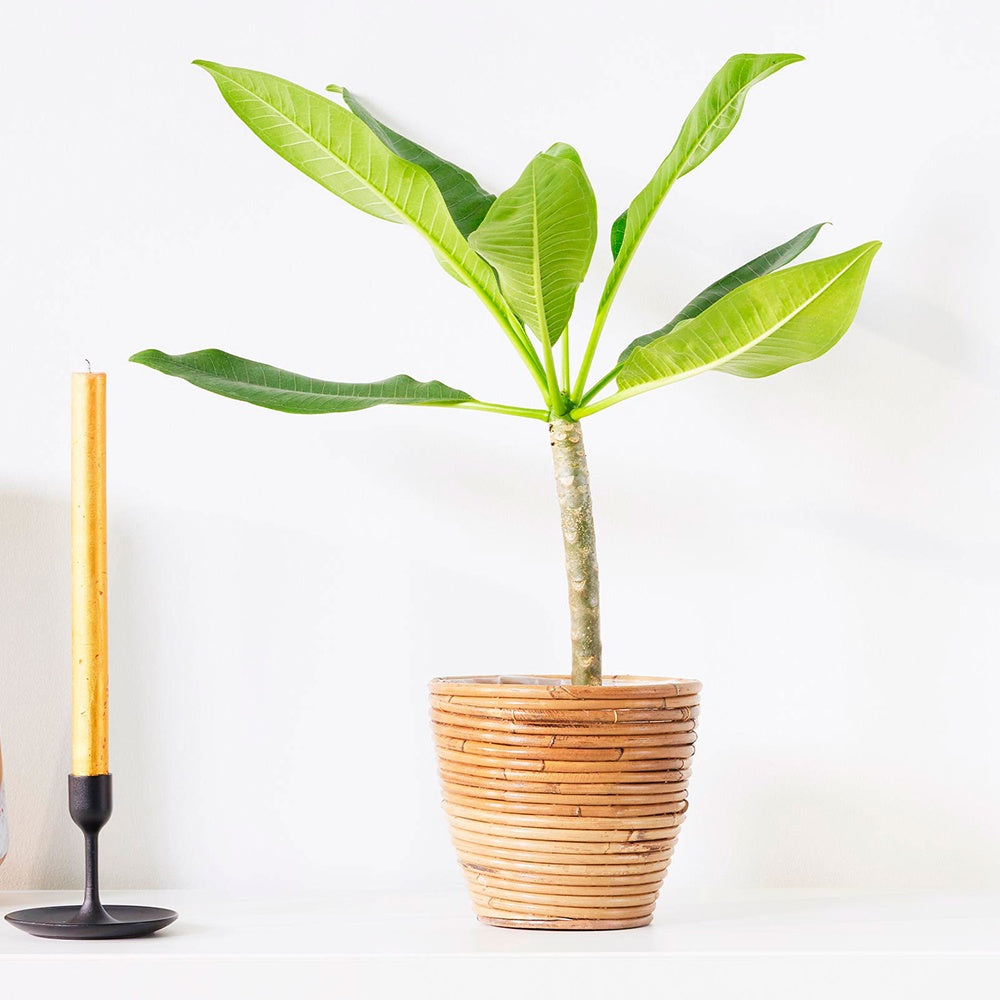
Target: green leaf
[[467, 202], [338, 150], [707, 125], [756, 268], [618, 233], [540, 236], [276, 389], [761, 327]]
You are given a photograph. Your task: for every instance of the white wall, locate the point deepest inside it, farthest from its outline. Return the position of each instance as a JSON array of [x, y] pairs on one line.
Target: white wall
[[820, 548]]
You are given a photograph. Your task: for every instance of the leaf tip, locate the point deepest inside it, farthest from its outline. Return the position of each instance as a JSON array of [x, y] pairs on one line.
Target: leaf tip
[[214, 69], [564, 151], [151, 358], [787, 58], [334, 88], [774, 59]]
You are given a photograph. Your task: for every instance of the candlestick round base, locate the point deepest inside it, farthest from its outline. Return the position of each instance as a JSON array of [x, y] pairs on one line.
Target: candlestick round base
[[67, 922]]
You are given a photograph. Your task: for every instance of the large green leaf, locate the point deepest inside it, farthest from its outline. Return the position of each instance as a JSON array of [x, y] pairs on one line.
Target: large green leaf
[[760, 328], [767, 262], [540, 236], [466, 200], [337, 149], [706, 126], [276, 389]]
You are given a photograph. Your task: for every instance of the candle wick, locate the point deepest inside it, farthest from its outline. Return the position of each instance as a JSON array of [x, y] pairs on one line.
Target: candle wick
[[89, 369]]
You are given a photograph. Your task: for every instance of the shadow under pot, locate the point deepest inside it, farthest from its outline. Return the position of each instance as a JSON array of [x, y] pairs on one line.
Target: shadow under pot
[[564, 802]]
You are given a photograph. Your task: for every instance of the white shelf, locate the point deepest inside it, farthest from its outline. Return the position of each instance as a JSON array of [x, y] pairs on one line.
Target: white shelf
[[794, 943]]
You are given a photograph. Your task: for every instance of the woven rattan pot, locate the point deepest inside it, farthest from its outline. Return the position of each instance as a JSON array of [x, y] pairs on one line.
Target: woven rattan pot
[[564, 802]]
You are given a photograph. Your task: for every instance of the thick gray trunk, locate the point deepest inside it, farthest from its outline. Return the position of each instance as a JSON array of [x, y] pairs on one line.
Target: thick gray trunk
[[577, 516]]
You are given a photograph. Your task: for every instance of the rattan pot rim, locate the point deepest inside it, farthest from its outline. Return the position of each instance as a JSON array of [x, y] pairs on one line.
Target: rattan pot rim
[[558, 686]]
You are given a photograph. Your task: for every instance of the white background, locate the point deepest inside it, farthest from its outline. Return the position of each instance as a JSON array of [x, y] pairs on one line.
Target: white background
[[820, 548]]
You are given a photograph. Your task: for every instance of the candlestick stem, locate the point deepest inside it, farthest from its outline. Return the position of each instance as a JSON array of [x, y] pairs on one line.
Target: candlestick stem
[[90, 807], [91, 893]]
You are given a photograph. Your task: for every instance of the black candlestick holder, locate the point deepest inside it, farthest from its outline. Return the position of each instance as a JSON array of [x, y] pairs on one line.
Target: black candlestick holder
[[90, 807]]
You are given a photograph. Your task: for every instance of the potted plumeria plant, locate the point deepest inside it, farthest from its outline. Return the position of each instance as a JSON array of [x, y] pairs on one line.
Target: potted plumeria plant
[[565, 793]]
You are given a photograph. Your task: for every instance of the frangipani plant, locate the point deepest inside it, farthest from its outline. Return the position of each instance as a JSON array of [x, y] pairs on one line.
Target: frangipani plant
[[525, 253]]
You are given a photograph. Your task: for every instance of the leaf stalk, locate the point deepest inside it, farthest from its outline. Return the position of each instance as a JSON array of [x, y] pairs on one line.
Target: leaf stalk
[[512, 411]]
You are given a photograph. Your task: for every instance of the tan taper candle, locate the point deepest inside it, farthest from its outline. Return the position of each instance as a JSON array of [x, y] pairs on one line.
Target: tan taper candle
[[90, 576]]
